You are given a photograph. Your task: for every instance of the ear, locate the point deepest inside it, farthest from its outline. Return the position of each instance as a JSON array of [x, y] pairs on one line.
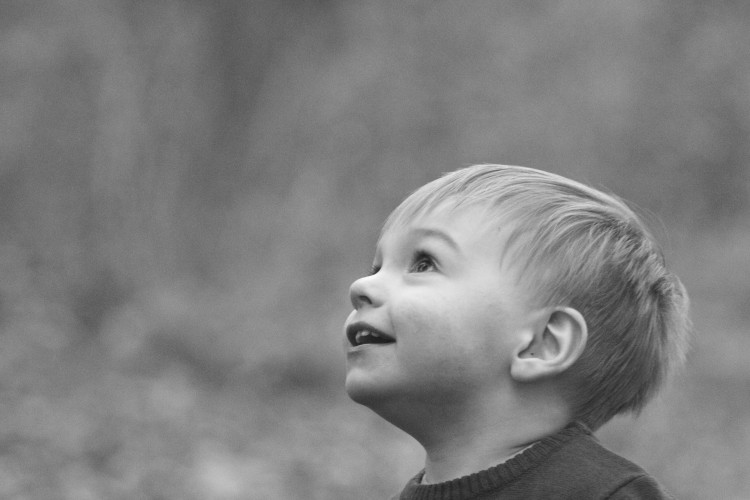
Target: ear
[[555, 343]]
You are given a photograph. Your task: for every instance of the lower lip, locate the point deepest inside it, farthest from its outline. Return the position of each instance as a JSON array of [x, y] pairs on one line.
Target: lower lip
[[364, 347]]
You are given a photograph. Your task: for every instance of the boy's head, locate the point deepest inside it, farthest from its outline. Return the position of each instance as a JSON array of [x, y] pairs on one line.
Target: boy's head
[[572, 247]]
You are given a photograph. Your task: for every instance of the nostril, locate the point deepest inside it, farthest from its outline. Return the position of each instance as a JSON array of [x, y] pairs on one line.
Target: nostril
[[358, 300], [365, 299]]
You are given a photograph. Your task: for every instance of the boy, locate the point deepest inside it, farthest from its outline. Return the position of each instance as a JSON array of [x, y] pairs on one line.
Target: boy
[[508, 314]]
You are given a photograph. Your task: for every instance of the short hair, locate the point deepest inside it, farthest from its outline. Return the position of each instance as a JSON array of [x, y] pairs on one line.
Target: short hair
[[587, 249]]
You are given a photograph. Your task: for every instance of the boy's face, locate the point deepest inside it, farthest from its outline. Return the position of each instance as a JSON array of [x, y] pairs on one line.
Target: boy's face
[[445, 310]]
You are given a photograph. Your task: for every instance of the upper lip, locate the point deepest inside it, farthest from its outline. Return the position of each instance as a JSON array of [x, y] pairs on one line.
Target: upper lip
[[359, 326]]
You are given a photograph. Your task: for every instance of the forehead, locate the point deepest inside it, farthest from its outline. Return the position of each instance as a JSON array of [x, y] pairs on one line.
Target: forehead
[[462, 222], [415, 209]]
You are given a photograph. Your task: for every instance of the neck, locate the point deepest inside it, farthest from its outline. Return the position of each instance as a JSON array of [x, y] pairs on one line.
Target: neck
[[444, 461], [472, 439]]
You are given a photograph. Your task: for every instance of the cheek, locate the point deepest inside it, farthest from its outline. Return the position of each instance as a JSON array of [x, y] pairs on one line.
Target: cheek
[[478, 333], [434, 337], [424, 321]]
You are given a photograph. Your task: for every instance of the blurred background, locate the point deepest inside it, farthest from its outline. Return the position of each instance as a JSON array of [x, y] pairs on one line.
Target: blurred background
[[187, 188]]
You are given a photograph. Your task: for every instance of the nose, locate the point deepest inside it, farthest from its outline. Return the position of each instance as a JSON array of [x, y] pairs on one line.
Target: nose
[[365, 292]]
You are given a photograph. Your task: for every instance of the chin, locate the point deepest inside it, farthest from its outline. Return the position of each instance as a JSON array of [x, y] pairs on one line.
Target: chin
[[386, 404], [365, 391]]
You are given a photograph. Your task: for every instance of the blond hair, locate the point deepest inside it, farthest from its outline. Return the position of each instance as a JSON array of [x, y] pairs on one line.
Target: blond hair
[[580, 247]]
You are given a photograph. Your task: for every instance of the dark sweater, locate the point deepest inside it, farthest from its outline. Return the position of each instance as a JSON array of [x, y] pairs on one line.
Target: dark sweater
[[570, 464]]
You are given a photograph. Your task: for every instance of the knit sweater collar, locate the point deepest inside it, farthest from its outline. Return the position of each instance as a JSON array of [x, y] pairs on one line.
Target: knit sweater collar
[[467, 487]]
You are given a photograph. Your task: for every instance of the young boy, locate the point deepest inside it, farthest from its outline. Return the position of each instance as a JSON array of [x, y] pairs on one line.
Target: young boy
[[509, 313]]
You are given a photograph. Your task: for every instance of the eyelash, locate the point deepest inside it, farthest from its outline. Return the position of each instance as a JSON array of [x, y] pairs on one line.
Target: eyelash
[[420, 256]]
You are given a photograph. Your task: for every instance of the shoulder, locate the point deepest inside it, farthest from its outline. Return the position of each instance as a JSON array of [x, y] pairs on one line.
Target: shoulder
[[586, 467], [642, 487]]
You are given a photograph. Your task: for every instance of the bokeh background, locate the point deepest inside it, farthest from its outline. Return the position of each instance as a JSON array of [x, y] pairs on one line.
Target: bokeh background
[[187, 188]]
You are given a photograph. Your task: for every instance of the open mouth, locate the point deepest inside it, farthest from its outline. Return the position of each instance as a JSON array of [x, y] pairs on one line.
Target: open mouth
[[360, 334]]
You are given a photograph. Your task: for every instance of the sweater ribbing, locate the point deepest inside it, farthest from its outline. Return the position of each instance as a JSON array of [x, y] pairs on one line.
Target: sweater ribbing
[[570, 465], [499, 475]]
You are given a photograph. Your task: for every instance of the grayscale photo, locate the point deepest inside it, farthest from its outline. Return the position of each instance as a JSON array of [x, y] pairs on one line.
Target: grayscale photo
[[354, 250]]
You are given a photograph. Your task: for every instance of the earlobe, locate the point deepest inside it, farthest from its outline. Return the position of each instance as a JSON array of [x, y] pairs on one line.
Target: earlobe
[[552, 348]]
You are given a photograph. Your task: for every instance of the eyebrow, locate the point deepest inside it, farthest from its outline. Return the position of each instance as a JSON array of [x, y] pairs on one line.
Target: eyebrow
[[426, 232]]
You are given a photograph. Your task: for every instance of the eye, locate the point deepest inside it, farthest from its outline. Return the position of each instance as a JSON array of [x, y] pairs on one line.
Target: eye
[[422, 263]]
